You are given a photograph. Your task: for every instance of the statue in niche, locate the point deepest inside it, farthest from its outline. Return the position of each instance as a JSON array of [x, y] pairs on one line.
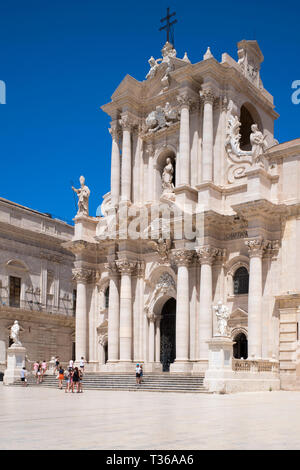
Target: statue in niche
[[167, 177], [222, 314], [259, 146], [83, 194]]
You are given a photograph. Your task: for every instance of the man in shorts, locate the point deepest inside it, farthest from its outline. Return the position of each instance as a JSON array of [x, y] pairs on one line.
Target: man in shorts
[[23, 374]]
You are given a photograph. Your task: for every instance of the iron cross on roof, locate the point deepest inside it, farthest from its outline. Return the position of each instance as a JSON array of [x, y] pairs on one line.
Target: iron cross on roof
[[168, 26]]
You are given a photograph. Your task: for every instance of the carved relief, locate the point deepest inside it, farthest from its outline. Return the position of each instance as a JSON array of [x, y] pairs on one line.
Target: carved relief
[[161, 117]]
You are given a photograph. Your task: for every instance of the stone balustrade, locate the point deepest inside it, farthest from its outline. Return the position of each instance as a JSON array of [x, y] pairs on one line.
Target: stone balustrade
[[257, 366]]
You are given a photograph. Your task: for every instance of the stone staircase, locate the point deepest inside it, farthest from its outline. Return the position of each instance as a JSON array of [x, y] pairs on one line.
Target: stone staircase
[[151, 382]]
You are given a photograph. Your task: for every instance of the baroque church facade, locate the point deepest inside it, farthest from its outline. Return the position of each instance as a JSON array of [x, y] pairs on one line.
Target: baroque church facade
[[192, 142]]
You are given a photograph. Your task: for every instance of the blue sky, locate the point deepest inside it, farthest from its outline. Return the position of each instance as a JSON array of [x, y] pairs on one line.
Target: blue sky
[[61, 60]]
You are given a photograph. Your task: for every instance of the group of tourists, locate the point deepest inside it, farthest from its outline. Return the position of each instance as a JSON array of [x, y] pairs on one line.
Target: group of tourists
[[39, 370], [73, 376]]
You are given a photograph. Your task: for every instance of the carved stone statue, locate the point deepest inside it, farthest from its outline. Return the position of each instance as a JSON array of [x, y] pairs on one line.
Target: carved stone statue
[[259, 146], [161, 117], [83, 194], [167, 177], [154, 64], [15, 334], [222, 314]]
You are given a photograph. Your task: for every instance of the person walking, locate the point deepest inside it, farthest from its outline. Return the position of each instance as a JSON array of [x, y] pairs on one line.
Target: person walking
[[69, 380], [35, 368], [138, 374], [61, 377], [44, 368], [71, 364], [23, 374], [39, 374], [141, 373], [81, 364], [75, 381], [56, 364], [80, 381]]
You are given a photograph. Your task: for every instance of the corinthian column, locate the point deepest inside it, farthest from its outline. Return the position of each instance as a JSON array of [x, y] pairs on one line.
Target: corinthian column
[[81, 276], [255, 247], [184, 139], [113, 313], [126, 269], [115, 166], [157, 338], [126, 125], [208, 136], [206, 257], [151, 337], [182, 258]]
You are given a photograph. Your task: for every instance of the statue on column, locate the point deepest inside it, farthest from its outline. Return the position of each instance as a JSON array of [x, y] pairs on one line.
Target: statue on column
[[259, 146], [222, 314], [167, 177], [15, 334], [83, 194]]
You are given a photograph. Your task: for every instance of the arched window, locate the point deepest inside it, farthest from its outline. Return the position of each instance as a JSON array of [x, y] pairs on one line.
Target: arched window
[[245, 131], [241, 281], [106, 294]]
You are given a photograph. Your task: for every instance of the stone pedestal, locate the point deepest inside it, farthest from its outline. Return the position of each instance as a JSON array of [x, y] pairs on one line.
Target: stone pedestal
[[220, 364], [15, 363]]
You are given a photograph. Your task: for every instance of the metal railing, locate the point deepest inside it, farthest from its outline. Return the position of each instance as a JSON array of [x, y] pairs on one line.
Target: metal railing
[[34, 305]]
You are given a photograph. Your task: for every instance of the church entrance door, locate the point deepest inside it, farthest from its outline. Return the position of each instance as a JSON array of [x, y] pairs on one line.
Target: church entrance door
[[240, 348], [168, 334]]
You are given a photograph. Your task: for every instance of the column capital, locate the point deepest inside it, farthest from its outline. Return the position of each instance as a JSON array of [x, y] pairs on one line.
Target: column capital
[[185, 100], [114, 132], [81, 274], [207, 254], [125, 266], [140, 269], [255, 247], [182, 257], [207, 96], [126, 122], [112, 268]]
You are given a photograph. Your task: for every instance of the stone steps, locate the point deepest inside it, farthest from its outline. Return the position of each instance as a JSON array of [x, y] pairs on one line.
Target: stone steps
[[158, 383]]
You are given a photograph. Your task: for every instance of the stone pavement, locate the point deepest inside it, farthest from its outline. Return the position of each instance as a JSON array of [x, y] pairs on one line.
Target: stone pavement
[[40, 418]]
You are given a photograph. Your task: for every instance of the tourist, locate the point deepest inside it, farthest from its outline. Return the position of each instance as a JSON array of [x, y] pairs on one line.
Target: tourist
[[60, 378], [75, 379], [138, 374], [141, 373], [68, 374], [71, 364], [35, 368], [24, 376], [44, 368], [39, 374], [56, 364], [80, 381], [81, 364]]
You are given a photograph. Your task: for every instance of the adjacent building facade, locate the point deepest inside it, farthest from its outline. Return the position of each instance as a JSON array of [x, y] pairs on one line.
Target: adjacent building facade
[[192, 142], [36, 286]]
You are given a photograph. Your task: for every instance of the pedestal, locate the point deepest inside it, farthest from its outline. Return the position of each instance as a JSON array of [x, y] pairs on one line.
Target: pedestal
[[219, 371], [15, 363]]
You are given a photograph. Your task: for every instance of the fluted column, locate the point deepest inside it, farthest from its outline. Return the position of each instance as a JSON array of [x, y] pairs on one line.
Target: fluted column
[[113, 313], [208, 136], [206, 257], [255, 247], [126, 267], [81, 276], [157, 338], [126, 125], [184, 139], [115, 166], [182, 258], [151, 337]]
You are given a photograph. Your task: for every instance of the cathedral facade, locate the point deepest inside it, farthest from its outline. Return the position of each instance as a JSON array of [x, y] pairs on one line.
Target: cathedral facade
[[203, 211]]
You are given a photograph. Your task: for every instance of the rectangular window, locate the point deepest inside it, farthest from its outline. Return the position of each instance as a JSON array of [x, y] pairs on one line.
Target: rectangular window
[[14, 291]]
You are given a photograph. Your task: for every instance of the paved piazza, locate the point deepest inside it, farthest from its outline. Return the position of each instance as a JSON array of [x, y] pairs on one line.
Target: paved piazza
[[35, 418]]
